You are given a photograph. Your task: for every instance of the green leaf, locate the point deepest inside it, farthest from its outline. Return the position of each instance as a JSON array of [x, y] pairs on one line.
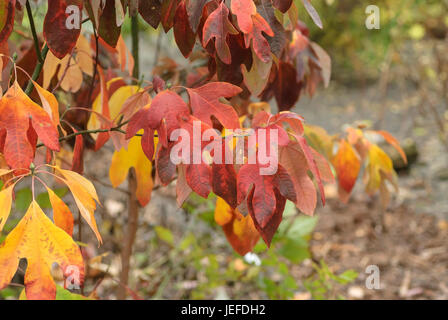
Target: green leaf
[[164, 234], [23, 199], [295, 250]]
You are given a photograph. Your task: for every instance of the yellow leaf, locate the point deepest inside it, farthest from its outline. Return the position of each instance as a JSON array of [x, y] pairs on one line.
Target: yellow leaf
[[84, 56], [38, 240], [5, 205], [379, 163], [134, 157], [84, 194]]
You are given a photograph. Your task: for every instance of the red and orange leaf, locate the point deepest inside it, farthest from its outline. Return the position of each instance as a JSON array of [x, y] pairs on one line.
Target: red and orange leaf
[[60, 39], [239, 230], [205, 103], [18, 115], [218, 26], [38, 240], [394, 143], [244, 10], [347, 165], [161, 115]]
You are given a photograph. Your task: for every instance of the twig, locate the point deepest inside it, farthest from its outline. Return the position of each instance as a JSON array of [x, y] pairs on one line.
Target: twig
[[33, 31], [40, 55], [95, 70], [133, 205]]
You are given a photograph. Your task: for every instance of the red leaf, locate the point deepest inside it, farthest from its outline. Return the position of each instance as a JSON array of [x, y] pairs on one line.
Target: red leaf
[[268, 230], [183, 34], [167, 14], [282, 5], [307, 151], [150, 11], [7, 11], [108, 29], [194, 10], [162, 115], [60, 39], [78, 155], [205, 103], [286, 87], [259, 43], [244, 10], [218, 26], [263, 200]]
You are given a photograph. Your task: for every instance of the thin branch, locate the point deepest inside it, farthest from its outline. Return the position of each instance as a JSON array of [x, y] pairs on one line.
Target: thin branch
[[33, 31], [95, 70]]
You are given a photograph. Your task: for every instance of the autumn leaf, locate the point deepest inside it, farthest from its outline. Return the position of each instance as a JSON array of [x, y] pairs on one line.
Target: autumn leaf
[[244, 10], [347, 165], [168, 11], [7, 12], [38, 240], [167, 106], [282, 5], [259, 43], [133, 157], [218, 26], [108, 28], [294, 161], [5, 204], [62, 216], [150, 11], [239, 230], [394, 143], [183, 34], [84, 194], [263, 200], [205, 103], [194, 10], [378, 169], [61, 39], [17, 113]]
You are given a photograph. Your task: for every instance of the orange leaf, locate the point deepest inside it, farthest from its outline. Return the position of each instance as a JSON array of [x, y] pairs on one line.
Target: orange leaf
[[239, 230], [347, 165], [62, 215]]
